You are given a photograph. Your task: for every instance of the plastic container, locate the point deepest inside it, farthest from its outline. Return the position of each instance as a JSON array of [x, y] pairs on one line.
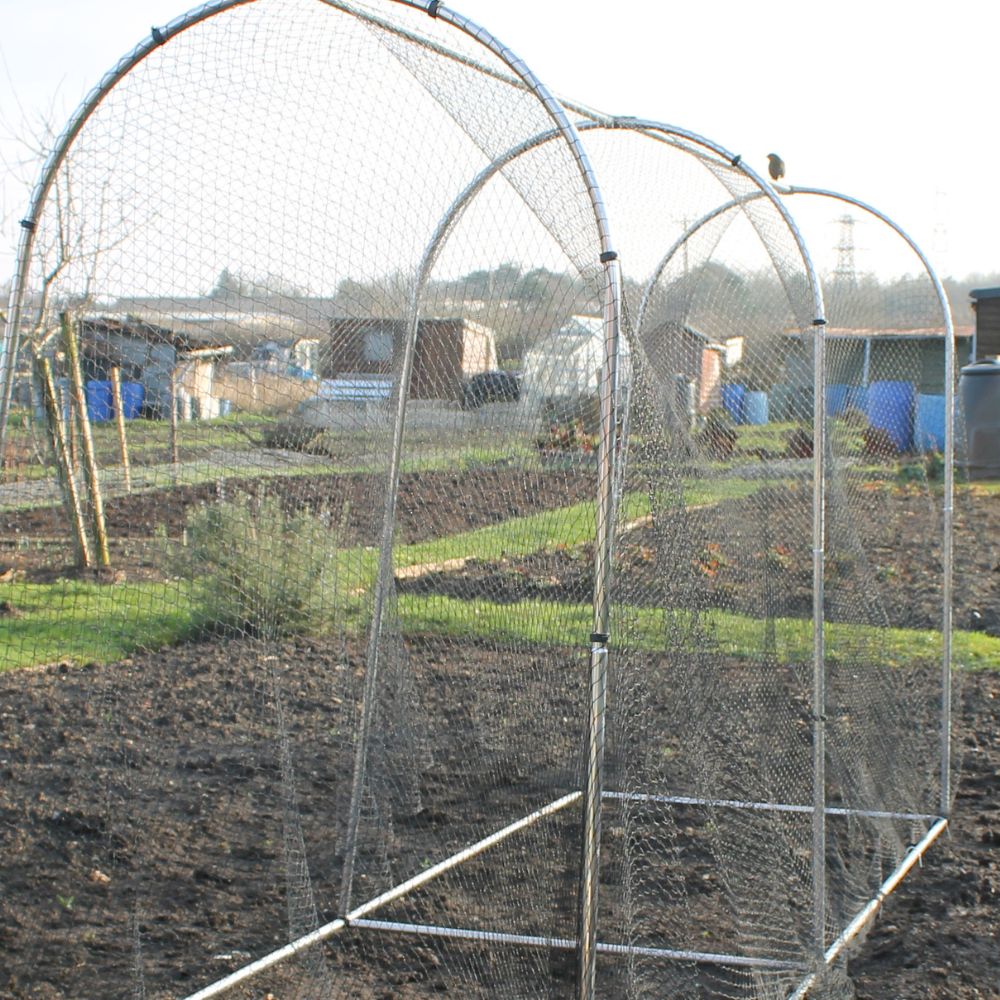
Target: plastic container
[[732, 401], [755, 408], [890, 407], [782, 404], [99, 400], [979, 386], [929, 423], [857, 398], [133, 396], [836, 399]]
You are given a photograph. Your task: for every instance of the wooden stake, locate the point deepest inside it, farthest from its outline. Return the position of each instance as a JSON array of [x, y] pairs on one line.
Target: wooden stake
[[116, 387], [64, 466], [86, 438]]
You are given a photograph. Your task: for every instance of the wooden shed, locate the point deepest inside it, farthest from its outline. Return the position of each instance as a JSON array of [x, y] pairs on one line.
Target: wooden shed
[[680, 351], [986, 304], [168, 364], [448, 351]]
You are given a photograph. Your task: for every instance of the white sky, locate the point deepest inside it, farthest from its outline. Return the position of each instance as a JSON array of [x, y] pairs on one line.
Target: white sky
[[879, 99]]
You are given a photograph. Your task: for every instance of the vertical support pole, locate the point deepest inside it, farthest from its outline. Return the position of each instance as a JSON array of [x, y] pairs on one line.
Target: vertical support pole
[[819, 648], [947, 564], [590, 869], [383, 589]]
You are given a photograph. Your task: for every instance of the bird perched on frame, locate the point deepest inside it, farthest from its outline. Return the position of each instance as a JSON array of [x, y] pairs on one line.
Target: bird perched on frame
[[775, 166]]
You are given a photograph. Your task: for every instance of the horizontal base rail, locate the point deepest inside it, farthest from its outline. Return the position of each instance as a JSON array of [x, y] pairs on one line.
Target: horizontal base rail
[[867, 913], [359, 918], [336, 926], [690, 800], [570, 944]]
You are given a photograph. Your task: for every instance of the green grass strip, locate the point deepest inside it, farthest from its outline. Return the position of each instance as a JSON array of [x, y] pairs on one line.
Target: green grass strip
[[562, 527], [90, 622], [645, 629]]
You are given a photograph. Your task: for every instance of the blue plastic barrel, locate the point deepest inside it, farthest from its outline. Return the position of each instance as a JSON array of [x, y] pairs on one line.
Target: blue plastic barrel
[[732, 401], [857, 398], [890, 407], [133, 396], [782, 402], [928, 423], [836, 399], [755, 408], [99, 400]]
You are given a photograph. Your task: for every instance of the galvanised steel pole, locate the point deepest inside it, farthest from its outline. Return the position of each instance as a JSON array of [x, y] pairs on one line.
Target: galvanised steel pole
[[948, 513], [605, 502], [819, 646], [599, 641]]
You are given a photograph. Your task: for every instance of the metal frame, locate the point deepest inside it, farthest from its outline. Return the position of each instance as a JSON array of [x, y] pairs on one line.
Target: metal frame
[[593, 794], [949, 433], [358, 919]]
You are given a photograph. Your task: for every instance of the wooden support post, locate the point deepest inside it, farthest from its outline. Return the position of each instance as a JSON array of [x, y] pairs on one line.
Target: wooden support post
[[86, 438], [65, 470], [116, 388]]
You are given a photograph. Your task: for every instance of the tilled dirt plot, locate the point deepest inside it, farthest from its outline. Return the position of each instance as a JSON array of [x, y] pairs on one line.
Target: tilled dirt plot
[[430, 504], [190, 800], [731, 557]]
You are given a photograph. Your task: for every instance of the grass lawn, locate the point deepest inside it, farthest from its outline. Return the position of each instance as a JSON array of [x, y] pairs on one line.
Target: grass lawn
[[89, 622], [740, 636]]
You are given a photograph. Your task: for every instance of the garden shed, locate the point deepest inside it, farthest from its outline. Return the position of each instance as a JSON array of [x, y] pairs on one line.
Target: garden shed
[[680, 350], [448, 351], [986, 303], [562, 370], [164, 361], [858, 357]]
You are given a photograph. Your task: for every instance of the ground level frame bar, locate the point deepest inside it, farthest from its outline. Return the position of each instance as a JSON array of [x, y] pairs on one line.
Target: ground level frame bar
[[358, 917], [867, 914], [691, 800], [570, 944]]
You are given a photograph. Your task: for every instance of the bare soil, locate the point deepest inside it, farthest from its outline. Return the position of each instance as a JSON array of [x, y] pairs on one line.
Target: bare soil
[[149, 787], [430, 504], [164, 799]]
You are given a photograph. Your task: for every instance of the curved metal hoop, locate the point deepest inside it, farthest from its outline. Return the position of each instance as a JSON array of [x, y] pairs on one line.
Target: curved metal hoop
[[564, 130]]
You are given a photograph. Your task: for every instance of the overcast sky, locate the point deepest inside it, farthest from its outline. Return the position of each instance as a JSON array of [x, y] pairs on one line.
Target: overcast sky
[[889, 102]]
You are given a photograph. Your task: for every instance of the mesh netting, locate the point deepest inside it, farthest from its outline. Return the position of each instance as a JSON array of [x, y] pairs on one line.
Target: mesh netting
[[312, 427]]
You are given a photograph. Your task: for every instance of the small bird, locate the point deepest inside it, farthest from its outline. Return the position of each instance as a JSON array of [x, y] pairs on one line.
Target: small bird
[[775, 166]]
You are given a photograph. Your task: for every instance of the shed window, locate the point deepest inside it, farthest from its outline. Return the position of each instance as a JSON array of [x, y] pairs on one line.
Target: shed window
[[378, 345]]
